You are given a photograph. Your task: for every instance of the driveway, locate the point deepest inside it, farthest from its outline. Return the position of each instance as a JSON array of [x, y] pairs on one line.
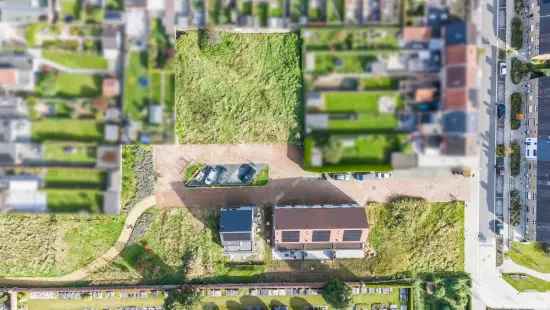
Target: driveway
[[289, 183]]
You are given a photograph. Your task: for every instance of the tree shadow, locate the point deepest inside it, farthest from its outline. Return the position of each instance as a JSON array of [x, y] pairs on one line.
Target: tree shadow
[[152, 267], [299, 303]]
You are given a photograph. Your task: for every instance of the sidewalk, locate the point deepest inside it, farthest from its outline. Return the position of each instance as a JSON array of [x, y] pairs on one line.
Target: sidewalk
[[509, 266]]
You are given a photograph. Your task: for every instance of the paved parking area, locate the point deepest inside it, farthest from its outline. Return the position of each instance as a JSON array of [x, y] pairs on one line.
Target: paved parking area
[[289, 183]]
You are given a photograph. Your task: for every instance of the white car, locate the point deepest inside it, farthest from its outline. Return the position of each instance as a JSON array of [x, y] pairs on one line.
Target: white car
[[211, 177], [502, 68]]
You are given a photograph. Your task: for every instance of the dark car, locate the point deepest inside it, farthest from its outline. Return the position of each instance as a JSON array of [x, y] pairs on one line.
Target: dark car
[[361, 176], [501, 110], [246, 173]]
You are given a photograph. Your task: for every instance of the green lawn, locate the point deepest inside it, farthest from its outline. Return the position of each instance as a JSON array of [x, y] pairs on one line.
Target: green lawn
[[238, 88], [136, 96], [379, 83], [77, 60], [526, 283], [70, 8], [111, 303], [53, 244], [59, 152], [75, 178], [62, 129], [531, 255], [366, 101], [70, 85], [74, 200], [365, 121]]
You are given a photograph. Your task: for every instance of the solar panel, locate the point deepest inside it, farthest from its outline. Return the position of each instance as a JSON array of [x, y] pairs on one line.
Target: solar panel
[[291, 236], [352, 235], [320, 235]]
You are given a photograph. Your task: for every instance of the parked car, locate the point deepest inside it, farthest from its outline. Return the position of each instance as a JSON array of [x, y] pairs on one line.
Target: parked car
[[213, 175], [361, 176], [502, 69], [201, 175], [246, 173], [341, 176], [501, 110]]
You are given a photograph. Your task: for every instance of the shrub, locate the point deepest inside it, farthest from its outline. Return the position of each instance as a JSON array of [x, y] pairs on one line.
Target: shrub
[[501, 150], [138, 174], [516, 110], [519, 70], [517, 33], [337, 293], [515, 208], [515, 159]]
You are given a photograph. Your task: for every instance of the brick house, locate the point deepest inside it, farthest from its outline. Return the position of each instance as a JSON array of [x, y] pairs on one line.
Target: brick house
[[319, 232]]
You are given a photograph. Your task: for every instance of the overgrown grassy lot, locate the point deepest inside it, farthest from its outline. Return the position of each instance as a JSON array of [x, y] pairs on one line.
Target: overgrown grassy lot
[[170, 245], [53, 244], [62, 152], [138, 174], [526, 283], [532, 255], [415, 236], [62, 129], [77, 60], [238, 88]]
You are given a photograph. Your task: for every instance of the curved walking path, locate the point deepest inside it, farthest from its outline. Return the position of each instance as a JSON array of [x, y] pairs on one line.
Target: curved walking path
[[99, 262]]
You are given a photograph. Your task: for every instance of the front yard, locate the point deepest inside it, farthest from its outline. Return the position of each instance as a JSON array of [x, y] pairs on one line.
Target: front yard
[[246, 88]]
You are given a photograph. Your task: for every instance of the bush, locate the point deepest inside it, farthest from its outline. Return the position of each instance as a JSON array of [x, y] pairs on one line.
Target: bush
[[333, 151], [337, 294], [515, 159], [515, 208], [516, 110], [517, 33], [519, 70], [501, 150]]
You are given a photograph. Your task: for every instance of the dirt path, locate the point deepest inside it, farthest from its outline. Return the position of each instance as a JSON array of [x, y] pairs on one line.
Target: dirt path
[[100, 262]]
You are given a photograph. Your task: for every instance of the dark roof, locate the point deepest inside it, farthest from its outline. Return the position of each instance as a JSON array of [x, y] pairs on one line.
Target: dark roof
[[543, 162], [456, 76], [235, 220], [455, 33], [437, 16], [544, 7], [459, 122], [320, 218], [544, 35], [543, 201]]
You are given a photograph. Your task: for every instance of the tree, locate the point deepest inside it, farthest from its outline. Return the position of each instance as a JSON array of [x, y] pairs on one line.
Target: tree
[[337, 293], [333, 151], [182, 299], [47, 84]]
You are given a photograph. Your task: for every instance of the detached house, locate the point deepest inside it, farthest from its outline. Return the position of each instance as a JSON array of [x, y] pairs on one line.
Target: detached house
[[16, 72], [111, 42], [319, 232], [237, 230]]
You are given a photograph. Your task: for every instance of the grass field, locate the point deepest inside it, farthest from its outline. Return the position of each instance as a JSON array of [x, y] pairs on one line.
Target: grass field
[[366, 102], [74, 200], [527, 283], [53, 244], [108, 303], [75, 178], [70, 85], [77, 60], [531, 255], [238, 88], [61, 129], [365, 121], [136, 96], [58, 152]]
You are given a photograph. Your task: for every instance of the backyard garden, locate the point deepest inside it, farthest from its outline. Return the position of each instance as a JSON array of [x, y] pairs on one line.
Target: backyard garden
[[246, 88]]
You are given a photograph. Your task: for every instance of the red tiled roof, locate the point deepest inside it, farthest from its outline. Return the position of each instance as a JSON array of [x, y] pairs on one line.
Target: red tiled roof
[[461, 54], [424, 94], [455, 99], [8, 77], [417, 34]]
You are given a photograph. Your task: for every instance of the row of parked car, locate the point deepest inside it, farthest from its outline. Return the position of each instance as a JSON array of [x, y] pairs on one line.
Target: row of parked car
[[359, 176]]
